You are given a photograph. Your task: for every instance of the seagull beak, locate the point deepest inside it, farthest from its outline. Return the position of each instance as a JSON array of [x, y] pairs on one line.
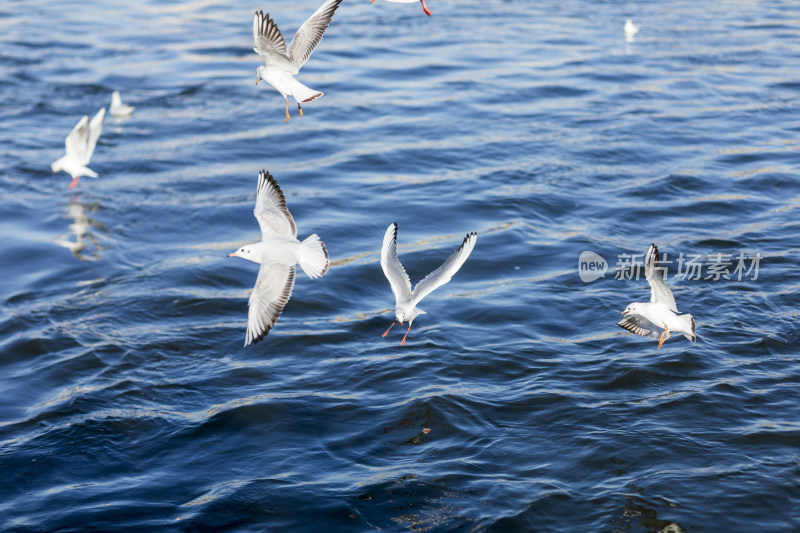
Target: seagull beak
[[625, 312], [232, 254], [256, 81]]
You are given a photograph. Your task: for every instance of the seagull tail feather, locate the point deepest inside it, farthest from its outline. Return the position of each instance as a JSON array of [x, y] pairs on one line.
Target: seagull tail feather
[[314, 258], [303, 94], [88, 172]]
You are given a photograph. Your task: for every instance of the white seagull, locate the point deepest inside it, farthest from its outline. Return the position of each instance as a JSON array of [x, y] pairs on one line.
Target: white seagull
[[424, 7], [661, 313], [405, 307], [277, 253], [80, 145], [631, 30], [280, 67], [117, 108]]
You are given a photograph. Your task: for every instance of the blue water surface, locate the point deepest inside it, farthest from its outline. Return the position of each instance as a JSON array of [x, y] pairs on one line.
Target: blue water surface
[[128, 403]]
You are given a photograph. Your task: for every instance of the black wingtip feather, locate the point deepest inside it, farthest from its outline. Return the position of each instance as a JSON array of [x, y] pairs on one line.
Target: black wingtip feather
[[286, 295], [264, 177], [630, 325], [467, 238], [327, 258]]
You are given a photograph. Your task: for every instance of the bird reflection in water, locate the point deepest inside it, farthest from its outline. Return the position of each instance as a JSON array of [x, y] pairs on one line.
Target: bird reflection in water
[[80, 241]]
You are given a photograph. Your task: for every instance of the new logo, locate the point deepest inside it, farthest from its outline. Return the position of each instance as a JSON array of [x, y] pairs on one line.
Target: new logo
[[591, 266]]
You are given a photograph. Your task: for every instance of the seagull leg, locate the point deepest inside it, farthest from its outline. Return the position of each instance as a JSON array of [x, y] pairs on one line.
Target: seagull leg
[[425, 8], [74, 182], [403, 342], [390, 327], [300, 110], [662, 338], [287, 109]]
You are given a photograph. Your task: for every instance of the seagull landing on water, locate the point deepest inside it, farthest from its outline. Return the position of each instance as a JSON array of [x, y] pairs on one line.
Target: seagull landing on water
[[117, 108], [280, 67], [277, 253], [631, 30], [424, 7], [80, 145], [405, 307], [660, 313]]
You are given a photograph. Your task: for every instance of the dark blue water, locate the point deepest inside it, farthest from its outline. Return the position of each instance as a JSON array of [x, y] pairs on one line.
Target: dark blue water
[[127, 402]]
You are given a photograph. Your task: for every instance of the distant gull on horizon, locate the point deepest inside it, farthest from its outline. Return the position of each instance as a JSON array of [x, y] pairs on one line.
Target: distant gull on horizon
[[117, 108], [631, 30], [424, 7], [661, 313], [280, 67], [80, 145], [405, 300], [278, 252]]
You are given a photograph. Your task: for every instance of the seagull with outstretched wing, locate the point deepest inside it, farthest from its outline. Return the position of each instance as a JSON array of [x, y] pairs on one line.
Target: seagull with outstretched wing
[[406, 300], [660, 314], [278, 252], [281, 66], [80, 145]]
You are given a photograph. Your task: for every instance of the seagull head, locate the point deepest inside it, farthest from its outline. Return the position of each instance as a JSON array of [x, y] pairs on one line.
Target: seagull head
[[56, 165], [406, 315], [260, 73], [246, 252], [631, 309]]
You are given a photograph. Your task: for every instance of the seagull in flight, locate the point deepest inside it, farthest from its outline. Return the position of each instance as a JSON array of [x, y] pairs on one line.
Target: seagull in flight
[[280, 66], [80, 145], [661, 313], [406, 300], [278, 252], [424, 7], [117, 108]]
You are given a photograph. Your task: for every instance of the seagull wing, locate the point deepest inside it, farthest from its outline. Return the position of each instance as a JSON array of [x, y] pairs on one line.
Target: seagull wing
[[310, 33], [392, 268], [442, 275], [659, 292], [271, 212], [267, 38], [639, 325], [95, 127], [76, 140], [270, 295]]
